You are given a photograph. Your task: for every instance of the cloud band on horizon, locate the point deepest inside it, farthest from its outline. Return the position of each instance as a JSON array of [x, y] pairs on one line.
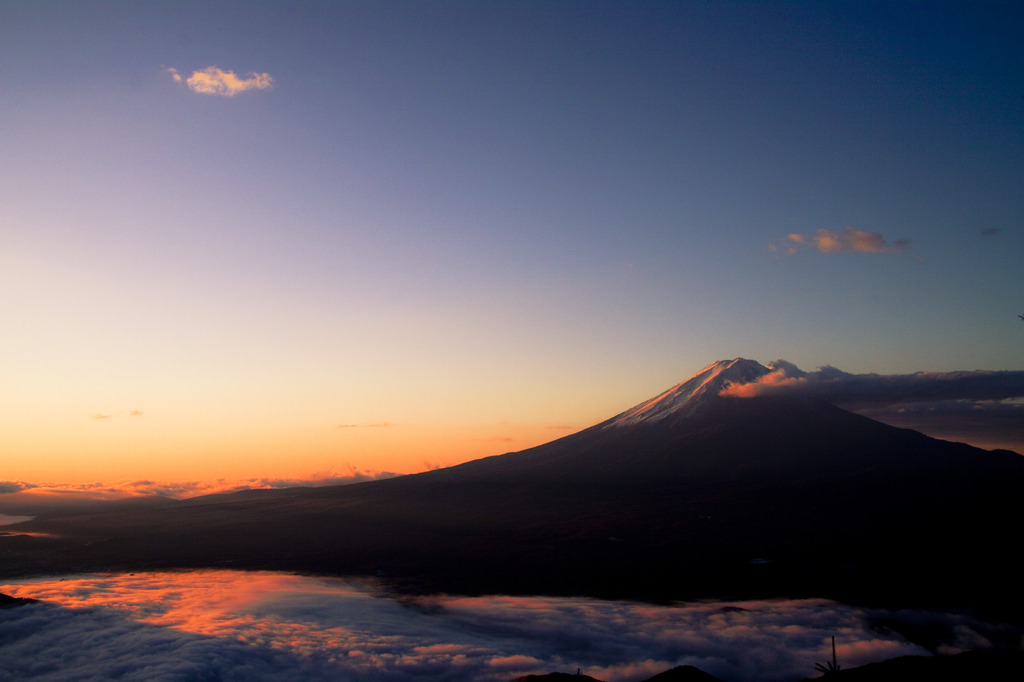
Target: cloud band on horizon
[[27, 495]]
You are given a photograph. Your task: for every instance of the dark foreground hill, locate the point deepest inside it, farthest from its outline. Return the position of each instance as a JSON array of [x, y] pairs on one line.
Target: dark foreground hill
[[686, 496], [9, 602], [972, 666]]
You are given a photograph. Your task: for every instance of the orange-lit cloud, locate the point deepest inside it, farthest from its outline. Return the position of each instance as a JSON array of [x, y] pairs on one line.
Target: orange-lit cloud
[[775, 381], [14, 486], [514, 662], [215, 81], [848, 239]]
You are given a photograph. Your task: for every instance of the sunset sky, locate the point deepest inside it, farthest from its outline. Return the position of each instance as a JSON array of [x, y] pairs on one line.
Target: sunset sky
[[298, 241]]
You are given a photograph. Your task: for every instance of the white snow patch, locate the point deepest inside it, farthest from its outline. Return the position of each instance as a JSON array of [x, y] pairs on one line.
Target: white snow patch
[[686, 398]]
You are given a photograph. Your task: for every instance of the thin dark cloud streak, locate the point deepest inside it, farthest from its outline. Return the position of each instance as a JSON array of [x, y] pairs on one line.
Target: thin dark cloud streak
[[985, 424], [265, 626], [101, 416], [849, 239]]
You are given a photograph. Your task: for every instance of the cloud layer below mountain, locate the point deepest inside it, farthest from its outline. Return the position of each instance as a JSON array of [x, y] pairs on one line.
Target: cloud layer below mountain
[[260, 626]]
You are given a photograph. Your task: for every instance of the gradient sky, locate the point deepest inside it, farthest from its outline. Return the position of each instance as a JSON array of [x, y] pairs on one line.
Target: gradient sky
[[297, 240]]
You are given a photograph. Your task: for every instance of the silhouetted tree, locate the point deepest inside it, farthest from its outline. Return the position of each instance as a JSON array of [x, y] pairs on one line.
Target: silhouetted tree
[[829, 668]]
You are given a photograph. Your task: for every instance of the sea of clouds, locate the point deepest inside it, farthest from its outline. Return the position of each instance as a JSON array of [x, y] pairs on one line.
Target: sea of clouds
[[233, 625]]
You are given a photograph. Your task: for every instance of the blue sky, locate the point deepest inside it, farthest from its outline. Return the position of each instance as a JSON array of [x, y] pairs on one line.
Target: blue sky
[[467, 228]]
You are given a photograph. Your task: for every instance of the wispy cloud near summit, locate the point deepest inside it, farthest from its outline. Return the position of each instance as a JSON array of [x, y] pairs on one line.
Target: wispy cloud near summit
[[984, 408], [837, 386], [216, 81]]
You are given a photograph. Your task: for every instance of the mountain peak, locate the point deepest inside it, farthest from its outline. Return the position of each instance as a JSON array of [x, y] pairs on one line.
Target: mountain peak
[[686, 399]]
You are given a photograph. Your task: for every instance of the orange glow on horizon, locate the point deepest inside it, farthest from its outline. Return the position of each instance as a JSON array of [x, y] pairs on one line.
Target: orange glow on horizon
[[125, 455]]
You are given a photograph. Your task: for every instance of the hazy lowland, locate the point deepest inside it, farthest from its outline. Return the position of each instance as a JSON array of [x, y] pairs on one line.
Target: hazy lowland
[[698, 494]]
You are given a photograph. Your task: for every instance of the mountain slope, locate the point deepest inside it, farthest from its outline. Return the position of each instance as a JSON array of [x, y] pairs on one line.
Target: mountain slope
[[685, 400], [688, 495]]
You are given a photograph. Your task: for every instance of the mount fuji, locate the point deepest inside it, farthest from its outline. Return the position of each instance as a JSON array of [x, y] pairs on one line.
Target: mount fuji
[[691, 494], [685, 400]]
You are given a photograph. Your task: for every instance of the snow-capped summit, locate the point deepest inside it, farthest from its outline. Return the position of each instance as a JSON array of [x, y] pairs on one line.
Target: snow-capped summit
[[685, 399]]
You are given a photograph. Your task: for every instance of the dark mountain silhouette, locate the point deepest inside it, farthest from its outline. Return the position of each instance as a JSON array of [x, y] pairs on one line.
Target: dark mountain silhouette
[[971, 665], [9, 602], [684, 673], [556, 677], [688, 495]]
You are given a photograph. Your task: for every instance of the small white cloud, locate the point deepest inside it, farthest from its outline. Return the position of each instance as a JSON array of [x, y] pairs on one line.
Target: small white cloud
[[216, 81]]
